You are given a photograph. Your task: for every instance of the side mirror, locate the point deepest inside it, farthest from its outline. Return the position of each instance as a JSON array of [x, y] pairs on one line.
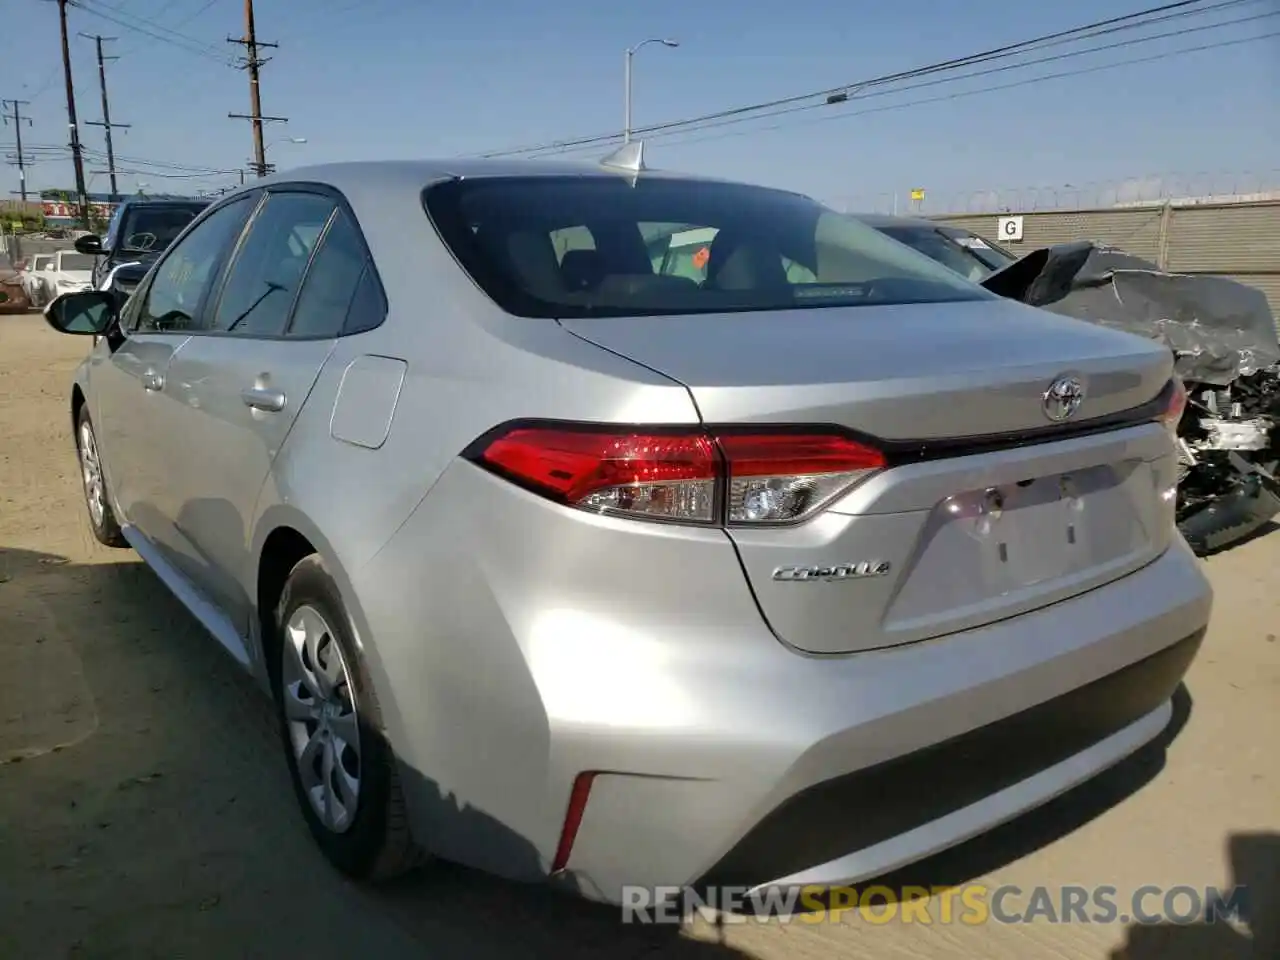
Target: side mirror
[[89, 243], [86, 312]]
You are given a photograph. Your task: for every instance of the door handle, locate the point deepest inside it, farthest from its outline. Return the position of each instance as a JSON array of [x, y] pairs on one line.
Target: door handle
[[259, 398], [152, 381]]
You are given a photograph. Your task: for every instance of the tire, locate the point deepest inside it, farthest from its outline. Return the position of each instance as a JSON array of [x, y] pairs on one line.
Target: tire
[[330, 723], [102, 519]]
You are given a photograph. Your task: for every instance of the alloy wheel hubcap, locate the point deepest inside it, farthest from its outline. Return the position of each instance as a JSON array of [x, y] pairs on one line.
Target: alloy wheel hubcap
[[321, 717], [91, 469]]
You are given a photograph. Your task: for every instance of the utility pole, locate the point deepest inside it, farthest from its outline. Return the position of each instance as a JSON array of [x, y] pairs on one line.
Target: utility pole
[[82, 194], [252, 62], [105, 122], [21, 161]]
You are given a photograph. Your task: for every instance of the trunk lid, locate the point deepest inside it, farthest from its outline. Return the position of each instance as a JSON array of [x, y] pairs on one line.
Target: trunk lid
[[985, 533]]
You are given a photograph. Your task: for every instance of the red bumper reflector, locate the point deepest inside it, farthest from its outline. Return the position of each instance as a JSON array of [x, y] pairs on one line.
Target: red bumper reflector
[[572, 819]]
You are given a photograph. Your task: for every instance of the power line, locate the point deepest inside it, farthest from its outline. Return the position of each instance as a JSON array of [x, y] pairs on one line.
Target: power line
[[163, 10], [195, 16], [841, 93], [252, 62], [43, 86], [156, 32], [52, 151], [105, 122], [166, 164], [801, 108], [843, 115], [172, 28], [55, 151], [173, 176], [21, 161]]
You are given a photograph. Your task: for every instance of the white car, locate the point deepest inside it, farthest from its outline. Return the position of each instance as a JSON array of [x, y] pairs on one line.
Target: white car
[[69, 272], [33, 279]]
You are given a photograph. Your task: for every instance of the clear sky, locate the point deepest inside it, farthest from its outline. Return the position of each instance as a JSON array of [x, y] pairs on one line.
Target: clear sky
[[401, 78]]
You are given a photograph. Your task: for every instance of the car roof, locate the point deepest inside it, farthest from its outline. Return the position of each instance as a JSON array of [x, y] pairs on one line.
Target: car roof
[[164, 202], [885, 220], [398, 175]]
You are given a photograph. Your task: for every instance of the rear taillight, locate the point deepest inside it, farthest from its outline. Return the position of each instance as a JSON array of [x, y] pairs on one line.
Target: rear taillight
[[781, 478], [1171, 415], [685, 475], [667, 476]]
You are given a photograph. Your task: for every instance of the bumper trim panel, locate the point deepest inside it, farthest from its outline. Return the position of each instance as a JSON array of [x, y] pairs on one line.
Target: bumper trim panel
[[873, 807]]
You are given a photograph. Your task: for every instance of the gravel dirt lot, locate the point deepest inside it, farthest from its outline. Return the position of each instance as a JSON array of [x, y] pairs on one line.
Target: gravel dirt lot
[[145, 810]]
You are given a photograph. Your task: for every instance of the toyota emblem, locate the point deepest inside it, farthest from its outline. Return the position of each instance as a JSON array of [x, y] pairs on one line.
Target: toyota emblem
[[1063, 399]]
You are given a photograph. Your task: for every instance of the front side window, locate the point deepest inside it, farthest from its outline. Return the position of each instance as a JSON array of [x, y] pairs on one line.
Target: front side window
[[264, 278], [601, 246], [172, 301]]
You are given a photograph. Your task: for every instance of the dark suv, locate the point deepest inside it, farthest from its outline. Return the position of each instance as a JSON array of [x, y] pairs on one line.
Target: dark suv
[[139, 231]]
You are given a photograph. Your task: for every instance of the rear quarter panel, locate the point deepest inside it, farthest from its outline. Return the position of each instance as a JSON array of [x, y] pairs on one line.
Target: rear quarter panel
[[467, 368]]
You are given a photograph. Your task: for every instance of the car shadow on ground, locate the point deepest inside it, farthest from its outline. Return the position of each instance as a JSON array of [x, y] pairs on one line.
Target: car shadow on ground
[[1255, 865], [133, 844]]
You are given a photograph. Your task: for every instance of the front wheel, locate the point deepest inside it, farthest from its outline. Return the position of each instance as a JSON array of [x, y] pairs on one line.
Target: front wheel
[[102, 518], [342, 768]]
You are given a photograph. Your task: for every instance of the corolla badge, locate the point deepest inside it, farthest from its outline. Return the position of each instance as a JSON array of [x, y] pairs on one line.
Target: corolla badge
[[1062, 399], [840, 571]]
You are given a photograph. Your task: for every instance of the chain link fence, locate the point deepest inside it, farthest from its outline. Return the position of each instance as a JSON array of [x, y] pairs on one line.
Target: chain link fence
[[1183, 188]]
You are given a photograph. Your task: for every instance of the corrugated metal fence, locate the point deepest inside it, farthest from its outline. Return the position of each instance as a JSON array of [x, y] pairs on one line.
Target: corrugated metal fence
[[1237, 240]]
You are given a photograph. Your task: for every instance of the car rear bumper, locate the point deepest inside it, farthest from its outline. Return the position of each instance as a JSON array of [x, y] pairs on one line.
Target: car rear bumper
[[586, 645], [914, 806]]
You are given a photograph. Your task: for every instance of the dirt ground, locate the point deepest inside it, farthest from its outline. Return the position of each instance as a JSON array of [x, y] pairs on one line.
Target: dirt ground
[[145, 810]]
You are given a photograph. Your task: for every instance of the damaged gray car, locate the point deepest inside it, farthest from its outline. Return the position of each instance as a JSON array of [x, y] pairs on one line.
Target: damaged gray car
[[1223, 337], [1222, 334]]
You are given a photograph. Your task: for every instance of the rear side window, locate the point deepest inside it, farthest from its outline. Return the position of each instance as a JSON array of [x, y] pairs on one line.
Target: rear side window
[[368, 306], [600, 246], [333, 281], [264, 278]]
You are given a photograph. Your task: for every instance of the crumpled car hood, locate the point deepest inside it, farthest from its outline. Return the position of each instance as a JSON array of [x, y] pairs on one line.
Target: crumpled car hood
[[1218, 329]]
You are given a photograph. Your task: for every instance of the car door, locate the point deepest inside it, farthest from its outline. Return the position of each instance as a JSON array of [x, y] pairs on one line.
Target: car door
[[135, 408], [250, 373]]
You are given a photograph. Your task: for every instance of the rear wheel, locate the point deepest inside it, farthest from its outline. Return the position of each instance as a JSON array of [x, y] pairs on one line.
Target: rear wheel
[[342, 768], [101, 517]]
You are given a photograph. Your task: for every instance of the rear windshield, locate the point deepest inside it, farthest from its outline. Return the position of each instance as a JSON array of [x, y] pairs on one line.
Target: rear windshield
[[76, 261], [946, 250], [993, 255], [608, 247], [150, 229]]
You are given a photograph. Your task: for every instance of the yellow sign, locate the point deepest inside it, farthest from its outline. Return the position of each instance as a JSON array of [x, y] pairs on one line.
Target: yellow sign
[[917, 193]]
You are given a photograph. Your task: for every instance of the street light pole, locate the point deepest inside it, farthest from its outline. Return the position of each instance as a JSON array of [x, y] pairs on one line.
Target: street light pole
[[626, 82], [271, 167]]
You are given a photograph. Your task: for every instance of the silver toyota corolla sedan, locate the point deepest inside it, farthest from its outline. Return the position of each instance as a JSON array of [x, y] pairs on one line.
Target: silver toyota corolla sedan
[[789, 559]]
